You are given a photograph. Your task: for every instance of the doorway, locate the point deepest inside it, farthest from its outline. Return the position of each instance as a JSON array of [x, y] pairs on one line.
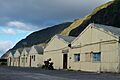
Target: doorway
[[64, 61], [30, 61], [19, 61], [10, 61]]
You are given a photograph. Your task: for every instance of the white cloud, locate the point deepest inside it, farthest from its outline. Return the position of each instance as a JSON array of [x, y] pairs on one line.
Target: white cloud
[[21, 25], [4, 46], [8, 31]]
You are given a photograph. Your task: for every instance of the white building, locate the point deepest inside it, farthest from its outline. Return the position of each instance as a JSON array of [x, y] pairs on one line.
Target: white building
[[96, 49], [57, 49], [17, 57], [10, 58], [24, 58], [36, 56]]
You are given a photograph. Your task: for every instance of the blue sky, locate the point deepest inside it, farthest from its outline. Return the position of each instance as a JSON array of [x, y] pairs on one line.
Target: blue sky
[[9, 37], [13, 35], [18, 18]]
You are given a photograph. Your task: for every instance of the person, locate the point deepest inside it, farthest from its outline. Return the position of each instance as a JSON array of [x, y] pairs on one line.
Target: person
[[50, 66], [47, 63]]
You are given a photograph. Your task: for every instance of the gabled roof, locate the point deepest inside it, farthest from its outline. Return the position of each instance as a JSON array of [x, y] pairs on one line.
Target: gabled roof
[[67, 39], [113, 30], [13, 52], [10, 54], [39, 49], [20, 50], [27, 50]]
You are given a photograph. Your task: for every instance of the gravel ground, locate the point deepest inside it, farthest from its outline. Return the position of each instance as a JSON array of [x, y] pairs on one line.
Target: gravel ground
[[14, 73]]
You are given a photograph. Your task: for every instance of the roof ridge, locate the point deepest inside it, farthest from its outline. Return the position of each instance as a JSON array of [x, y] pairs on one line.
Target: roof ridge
[[112, 29], [67, 39]]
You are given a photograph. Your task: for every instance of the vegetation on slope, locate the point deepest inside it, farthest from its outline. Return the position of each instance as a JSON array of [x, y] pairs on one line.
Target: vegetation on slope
[[74, 25], [41, 36], [107, 14]]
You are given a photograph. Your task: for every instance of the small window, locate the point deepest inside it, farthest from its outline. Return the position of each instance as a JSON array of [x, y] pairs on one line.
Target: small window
[[34, 57], [76, 57], [96, 56], [26, 59]]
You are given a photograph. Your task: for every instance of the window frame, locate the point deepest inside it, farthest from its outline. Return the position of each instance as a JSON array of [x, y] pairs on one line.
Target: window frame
[[34, 58], [96, 56], [77, 57], [26, 59]]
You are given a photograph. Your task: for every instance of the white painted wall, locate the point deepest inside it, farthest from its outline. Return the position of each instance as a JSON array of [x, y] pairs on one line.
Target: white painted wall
[[54, 51], [109, 51], [38, 58], [10, 59], [24, 62]]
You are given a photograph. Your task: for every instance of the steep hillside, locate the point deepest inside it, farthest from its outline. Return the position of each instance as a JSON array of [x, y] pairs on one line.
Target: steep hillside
[[107, 14], [41, 36], [74, 25]]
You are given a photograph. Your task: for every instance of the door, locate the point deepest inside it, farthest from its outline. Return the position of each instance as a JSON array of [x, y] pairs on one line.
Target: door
[[10, 61], [30, 61], [19, 61], [64, 61]]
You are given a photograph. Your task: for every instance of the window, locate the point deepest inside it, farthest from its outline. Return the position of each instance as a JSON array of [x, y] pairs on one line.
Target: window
[[22, 60], [34, 57], [76, 57], [87, 57], [26, 59], [96, 56]]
